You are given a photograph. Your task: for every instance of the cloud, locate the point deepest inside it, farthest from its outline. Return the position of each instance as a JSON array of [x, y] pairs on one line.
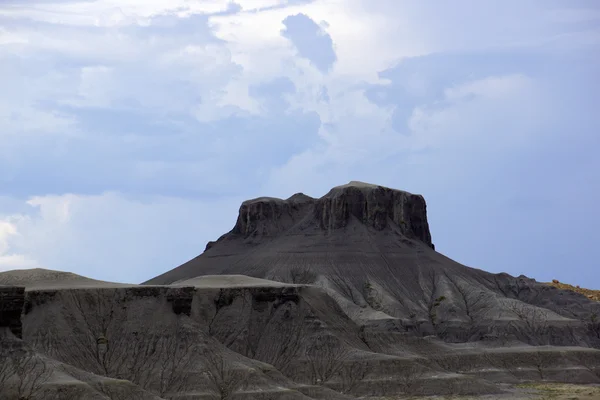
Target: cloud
[[311, 41], [9, 260], [147, 109], [274, 94], [112, 236]]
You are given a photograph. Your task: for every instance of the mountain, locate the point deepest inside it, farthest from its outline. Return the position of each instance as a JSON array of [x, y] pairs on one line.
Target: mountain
[[37, 278], [338, 297], [369, 247]]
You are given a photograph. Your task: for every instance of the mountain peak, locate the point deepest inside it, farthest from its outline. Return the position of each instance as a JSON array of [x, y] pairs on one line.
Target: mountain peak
[[358, 184], [375, 207]]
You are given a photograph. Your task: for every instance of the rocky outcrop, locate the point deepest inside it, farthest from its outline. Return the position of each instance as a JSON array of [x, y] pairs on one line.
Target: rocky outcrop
[[267, 216], [376, 207], [12, 299]]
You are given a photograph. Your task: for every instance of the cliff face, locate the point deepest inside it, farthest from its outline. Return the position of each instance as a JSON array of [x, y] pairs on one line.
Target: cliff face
[[267, 216], [374, 206], [12, 299]]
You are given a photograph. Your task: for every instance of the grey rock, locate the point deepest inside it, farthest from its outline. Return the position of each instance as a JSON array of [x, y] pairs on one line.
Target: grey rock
[[12, 299]]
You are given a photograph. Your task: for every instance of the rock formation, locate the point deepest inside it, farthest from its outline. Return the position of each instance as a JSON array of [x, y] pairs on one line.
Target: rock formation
[[12, 299], [370, 248], [330, 298]]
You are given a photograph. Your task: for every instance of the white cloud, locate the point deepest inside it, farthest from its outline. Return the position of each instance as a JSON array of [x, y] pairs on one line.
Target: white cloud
[[471, 123], [58, 65], [7, 38], [95, 86], [112, 236], [110, 13], [256, 41], [471, 111], [28, 119], [7, 229], [8, 259], [16, 261], [494, 87]]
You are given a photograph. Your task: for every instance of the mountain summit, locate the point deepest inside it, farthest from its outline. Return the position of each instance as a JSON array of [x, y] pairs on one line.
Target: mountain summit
[[343, 222], [373, 206], [369, 247]]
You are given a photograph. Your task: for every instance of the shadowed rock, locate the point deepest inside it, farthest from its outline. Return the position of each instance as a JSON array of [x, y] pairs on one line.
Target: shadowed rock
[[12, 299]]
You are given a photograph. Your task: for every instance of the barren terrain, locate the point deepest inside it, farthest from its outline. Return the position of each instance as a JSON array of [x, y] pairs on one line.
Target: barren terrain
[[339, 297]]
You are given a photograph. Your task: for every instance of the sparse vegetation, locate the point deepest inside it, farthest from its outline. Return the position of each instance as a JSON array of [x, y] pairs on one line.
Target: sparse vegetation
[[560, 391], [589, 293]]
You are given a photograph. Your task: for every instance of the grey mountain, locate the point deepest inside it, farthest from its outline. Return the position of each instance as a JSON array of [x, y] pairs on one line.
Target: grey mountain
[[332, 298], [369, 247]]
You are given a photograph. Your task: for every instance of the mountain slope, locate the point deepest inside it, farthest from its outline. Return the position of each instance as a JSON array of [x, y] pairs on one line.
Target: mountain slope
[[39, 278], [331, 298], [370, 248]]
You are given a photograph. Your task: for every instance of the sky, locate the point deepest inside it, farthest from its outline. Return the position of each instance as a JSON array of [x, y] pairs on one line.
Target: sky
[[131, 130]]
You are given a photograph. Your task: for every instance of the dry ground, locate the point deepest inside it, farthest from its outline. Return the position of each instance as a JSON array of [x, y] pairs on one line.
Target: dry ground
[[528, 391], [589, 293]]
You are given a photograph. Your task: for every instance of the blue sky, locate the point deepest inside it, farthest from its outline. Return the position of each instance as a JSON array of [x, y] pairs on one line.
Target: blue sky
[[131, 130]]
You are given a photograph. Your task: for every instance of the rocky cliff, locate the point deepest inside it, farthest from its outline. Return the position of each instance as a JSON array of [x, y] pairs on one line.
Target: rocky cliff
[[374, 206], [12, 299]]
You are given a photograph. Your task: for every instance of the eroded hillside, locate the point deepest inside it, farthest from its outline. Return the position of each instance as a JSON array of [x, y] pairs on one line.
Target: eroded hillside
[[332, 298]]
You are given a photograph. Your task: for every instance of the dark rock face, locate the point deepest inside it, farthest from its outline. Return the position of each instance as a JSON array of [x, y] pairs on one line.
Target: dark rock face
[[268, 216], [181, 300], [376, 207], [12, 299]]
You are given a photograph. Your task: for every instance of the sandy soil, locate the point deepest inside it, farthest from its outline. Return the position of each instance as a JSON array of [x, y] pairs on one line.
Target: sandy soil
[[529, 391], [561, 391], [42, 279], [219, 281], [357, 184]]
